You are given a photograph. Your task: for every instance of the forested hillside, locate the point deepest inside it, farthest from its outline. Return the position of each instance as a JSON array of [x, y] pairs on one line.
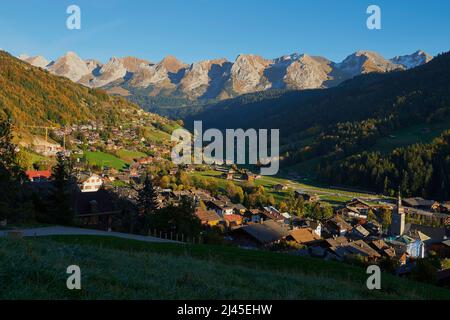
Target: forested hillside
[[32, 96], [331, 125]]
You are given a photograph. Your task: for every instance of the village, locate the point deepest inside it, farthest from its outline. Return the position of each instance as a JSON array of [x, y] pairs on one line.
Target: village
[[391, 232]]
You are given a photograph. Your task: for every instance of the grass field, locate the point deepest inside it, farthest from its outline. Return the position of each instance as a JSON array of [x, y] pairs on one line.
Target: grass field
[[126, 269], [330, 195], [128, 156], [104, 159], [423, 133]]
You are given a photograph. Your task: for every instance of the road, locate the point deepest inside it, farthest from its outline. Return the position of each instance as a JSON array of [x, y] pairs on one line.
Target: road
[[65, 231]]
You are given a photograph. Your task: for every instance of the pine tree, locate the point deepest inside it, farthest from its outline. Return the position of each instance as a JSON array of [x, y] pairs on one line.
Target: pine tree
[[14, 205], [9, 159], [60, 206], [147, 204]]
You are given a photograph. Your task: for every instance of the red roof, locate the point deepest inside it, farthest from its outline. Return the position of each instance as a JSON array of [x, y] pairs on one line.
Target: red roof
[[38, 174], [233, 218]]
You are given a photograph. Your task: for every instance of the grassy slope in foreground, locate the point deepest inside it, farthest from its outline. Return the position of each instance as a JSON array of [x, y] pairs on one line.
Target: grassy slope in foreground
[[126, 269]]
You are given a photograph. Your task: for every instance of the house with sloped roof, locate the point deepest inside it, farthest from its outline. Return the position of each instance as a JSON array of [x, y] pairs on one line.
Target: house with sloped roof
[[338, 226], [271, 213], [38, 176], [383, 248], [233, 220], [221, 208], [260, 234], [208, 217], [304, 236], [95, 209], [426, 234], [359, 232], [361, 248], [307, 197], [421, 203]]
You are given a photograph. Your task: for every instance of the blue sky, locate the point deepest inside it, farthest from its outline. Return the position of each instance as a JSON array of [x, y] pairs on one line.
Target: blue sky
[[195, 30]]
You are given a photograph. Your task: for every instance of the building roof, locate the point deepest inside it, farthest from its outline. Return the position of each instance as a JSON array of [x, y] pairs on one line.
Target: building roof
[[46, 174], [379, 244], [207, 215], [303, 235], [362, 248], [337, 242], [425, 232], [238, 206], [266, 232], [233, 218], [362, 230], [418, 202], [340, 223]]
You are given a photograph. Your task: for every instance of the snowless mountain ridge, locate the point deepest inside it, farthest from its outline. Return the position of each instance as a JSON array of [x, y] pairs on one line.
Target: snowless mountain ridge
[[219, 78]]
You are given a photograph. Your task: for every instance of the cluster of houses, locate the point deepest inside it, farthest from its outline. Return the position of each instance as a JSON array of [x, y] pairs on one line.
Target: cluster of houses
[[348, 233]]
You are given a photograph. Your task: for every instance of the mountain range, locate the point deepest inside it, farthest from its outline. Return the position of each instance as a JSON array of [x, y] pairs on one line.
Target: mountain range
[[219, 79]]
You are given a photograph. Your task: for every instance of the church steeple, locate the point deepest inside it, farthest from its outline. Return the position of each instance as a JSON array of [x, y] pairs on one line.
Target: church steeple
[[398, 217]]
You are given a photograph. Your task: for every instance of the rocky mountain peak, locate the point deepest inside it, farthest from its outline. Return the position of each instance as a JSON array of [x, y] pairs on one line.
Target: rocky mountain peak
[[172, 64], [70, 66]]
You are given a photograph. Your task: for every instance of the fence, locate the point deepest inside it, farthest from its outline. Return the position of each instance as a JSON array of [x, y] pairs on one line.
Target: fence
[[178, 237]]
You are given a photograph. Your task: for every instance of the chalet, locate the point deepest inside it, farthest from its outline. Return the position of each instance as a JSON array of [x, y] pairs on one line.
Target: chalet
[[373, 227], [359, 232], [287, 217], [201, 195], [38, 176], [89, 182], [304, 236], [420, 203], [306, 196], [359, 206], [239, 208], [95, 209], [249, 176], [261, 234], [383, 248], [351, 213], [341, 247], [233, 220], [253, 216], [221, 208], [316, 227], [280, 187], [338, 226], [361, 248], [208, 217], [270, 213]]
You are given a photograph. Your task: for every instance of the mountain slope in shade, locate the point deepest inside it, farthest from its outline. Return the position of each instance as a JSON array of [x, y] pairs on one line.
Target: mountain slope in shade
[[220, 79]]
